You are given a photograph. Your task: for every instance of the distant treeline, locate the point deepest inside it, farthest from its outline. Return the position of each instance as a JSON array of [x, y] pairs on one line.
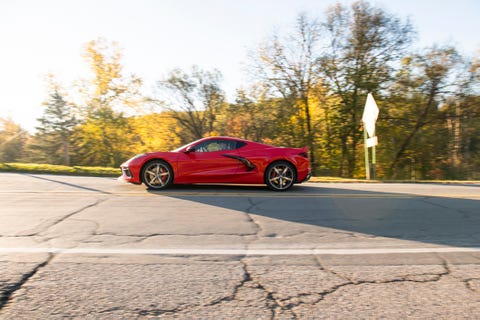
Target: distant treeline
[[308, 88]]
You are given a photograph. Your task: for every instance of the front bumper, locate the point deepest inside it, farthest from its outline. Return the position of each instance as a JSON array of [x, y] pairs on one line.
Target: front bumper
[[126, 172], [129, 174]]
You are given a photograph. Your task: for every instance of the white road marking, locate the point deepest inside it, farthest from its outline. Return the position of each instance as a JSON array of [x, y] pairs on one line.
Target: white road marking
[[246, 252]]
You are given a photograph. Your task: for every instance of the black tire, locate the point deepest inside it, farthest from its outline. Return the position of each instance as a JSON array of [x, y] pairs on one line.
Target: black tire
[[157, 175], [280, 176]]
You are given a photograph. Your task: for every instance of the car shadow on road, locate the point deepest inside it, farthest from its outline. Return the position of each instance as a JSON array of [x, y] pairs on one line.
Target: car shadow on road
[[429, 219]]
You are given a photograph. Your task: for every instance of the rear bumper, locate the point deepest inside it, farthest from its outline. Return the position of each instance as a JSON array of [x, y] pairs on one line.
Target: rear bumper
[[309, 175]]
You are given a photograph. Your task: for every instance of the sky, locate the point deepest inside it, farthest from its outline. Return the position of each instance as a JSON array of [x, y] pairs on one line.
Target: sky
[[38, 37]]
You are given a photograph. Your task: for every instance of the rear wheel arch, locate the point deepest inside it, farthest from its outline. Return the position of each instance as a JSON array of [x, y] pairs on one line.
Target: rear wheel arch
[[284, 160]]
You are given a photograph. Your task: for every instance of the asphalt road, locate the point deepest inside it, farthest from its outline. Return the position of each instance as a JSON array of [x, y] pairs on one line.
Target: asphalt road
[[97, 248]]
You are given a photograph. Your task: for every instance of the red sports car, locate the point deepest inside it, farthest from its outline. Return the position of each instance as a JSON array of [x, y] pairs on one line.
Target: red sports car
[[220, 160]]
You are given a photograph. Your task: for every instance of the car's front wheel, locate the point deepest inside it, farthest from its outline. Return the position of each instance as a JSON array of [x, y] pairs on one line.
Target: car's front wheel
[[280, 176], [157, 174]]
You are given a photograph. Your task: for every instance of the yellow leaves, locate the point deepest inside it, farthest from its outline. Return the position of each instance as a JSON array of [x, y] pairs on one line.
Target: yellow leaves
[[406, 60], [213, 134], [104, 59], [155, 132], [12, 140], [7, 125]]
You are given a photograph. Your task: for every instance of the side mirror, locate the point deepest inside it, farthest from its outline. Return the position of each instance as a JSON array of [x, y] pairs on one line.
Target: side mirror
[[190, 149]]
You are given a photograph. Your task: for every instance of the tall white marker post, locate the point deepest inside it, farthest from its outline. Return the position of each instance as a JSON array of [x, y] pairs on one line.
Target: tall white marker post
[[370, 115]]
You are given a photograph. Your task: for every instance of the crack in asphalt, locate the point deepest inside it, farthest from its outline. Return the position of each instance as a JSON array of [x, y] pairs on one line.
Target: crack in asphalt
[[6, 296], [110, 310], [299, 299], [43, 236], [248, 212], [249, 281], [465, 214], [144, 237], [44, 227], [297, 234], [279, 308], [96, 203], [160, 312], [469, 284]]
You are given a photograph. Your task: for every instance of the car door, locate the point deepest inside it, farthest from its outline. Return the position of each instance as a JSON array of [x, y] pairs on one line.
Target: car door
[[209, 162]]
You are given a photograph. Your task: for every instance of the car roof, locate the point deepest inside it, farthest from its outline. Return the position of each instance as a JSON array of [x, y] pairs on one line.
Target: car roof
[[236, 139], [224, 138]]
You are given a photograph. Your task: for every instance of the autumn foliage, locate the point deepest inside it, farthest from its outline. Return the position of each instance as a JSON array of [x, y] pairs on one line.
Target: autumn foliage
[[308, 88]]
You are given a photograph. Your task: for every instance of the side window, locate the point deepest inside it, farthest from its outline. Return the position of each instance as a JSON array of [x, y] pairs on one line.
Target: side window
[[214, 146], [218, 145], [226, 145], [209, 146], [240, 144], [202, 147], [231, 145]]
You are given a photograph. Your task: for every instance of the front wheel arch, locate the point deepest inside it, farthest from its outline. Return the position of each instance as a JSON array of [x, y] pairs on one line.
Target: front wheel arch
[[288, 177], [157, 185]]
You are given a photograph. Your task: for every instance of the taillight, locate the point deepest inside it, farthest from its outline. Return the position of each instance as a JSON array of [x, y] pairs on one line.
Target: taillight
[[303, 154]]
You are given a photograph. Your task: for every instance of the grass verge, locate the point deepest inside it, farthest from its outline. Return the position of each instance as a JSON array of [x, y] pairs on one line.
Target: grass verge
[[349, 180], [58, 169]]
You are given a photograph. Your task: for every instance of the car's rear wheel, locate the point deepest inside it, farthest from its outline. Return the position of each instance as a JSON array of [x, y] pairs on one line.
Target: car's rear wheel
[[280, 176], [157, 174]]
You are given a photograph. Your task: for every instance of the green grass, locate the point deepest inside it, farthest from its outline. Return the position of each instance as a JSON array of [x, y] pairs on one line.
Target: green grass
[[58, 169], [349, 180], [337, 179]]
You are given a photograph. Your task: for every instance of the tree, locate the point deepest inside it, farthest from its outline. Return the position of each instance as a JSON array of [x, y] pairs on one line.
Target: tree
[[12, 141], [104, 139], [364, 43], [194, 99], [424, 82], [288, 66], [461, 114], [52, 142], [470, 137], [155, 131], [109, 86], [104, 136], [252, 116]]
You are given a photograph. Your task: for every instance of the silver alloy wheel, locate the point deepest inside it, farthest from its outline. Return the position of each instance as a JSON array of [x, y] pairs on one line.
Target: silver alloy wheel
[[157, 174], [280, 176]]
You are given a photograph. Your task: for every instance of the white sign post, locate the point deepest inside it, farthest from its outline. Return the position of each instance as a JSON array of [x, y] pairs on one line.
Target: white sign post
[[370, 115]]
